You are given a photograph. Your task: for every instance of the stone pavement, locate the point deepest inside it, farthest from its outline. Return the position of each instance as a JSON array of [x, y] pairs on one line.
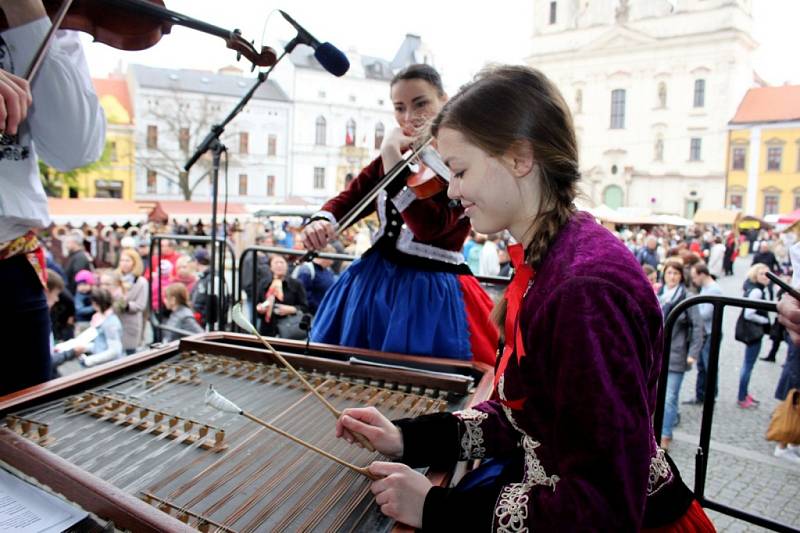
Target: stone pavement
[[742, 472]]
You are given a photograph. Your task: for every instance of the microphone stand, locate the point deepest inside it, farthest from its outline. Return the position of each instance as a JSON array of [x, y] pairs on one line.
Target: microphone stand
[[212, 142]]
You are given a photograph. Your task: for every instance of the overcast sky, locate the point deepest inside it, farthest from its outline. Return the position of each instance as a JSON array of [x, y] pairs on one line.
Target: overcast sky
[[462, 35]]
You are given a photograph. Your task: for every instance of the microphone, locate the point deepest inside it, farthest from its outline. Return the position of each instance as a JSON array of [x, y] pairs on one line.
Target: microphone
[[331, 58]]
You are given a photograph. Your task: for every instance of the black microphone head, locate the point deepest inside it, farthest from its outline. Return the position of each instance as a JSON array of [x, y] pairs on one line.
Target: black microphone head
[[305, 322], [332, 59]]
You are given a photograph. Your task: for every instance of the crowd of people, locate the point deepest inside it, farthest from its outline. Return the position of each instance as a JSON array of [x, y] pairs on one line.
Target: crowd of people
[[581, 320], [682, 264]]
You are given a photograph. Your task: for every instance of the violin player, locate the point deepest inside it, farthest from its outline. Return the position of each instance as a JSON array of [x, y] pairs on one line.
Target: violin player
[[412, 291], [58, 118]]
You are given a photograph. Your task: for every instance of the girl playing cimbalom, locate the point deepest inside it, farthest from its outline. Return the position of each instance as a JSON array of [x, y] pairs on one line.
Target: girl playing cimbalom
[[569, 427]]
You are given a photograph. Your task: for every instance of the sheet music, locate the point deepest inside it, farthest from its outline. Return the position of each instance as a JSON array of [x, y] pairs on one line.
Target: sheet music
[[25, 508], [84, 339]]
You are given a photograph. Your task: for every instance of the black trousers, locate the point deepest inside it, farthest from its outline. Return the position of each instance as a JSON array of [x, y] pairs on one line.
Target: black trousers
[[24, 327]]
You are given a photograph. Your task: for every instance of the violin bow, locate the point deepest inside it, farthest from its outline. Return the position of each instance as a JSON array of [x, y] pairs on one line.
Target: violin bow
[[351, 215]]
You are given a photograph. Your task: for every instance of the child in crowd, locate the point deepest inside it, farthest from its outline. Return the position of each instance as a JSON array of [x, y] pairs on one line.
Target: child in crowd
[[84, 281], [182, 316]]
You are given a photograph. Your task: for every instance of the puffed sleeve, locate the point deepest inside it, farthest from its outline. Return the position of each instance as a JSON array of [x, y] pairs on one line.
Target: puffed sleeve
[[64, 99]]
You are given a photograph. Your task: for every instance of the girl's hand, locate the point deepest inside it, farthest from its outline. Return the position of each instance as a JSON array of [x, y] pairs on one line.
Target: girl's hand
[[317, 234], [376, 428], [394, 144], [400, 492]]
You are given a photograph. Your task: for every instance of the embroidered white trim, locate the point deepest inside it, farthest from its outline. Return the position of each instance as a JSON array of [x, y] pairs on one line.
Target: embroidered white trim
[[511, 510], [403, 199], [660, 473], [472, 440], [407, 244], [327, 215], [381, 209]]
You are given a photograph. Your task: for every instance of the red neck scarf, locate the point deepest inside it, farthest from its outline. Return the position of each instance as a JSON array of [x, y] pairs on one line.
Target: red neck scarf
[[523, 275]]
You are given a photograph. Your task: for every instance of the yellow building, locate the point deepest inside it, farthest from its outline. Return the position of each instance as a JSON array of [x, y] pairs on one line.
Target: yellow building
[[114, 175], [763, 175]]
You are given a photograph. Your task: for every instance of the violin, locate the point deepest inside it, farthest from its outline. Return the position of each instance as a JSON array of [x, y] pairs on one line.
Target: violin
[[432, 177], [134, 25]]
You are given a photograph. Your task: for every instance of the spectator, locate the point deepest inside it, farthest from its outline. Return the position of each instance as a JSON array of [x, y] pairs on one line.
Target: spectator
[[316, 277], [731, 251], [77, 259], [262, 267], [756, 289], [701, 278], [687, 342], [185, 272], [55, 286], [108, 344], [84, 281], [716, 258], [132, 306], [181, 316], [489, 262], [766, 257], [652, 277], [281, 298], [649, 253], [504, 260], [474, 258]]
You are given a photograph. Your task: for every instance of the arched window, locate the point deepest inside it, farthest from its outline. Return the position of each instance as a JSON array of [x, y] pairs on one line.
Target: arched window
[[350, 133], [613, 197], [662, 94], [379, 131], [321, 126], [659, 148]]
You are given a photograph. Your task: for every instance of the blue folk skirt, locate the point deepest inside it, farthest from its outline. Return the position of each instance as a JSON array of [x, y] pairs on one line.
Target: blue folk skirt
[[380, 305]]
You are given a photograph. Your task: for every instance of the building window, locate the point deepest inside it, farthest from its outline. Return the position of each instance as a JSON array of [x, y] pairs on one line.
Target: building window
[[662, 94], [270, 185], [798, 157], [152, 137], [244, 141], [659, 148], [151, 182], [699, 93], [694, 151], [579, 101], [552, 12], [379, 131], [112, 151], [242, 184], [272, 144], [319, 177], [738, 158], [771, 202], [736, 201], [183, 139], [617, 109], [350, 133], [796, 202], [774, 154], [321, 126], [108, 189]]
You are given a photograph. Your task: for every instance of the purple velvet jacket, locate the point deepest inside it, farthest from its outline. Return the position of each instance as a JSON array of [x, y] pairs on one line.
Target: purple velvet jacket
[[577, 407]]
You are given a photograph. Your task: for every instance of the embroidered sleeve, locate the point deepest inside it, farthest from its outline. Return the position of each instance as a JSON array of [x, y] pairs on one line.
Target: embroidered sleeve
[[472, 442]]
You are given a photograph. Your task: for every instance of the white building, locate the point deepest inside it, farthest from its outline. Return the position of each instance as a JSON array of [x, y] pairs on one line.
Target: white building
[[175, 109], [338, 124], [652, 85]]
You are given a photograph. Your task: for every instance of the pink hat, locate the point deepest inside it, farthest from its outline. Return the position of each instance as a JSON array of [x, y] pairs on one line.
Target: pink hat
[[85, 276]]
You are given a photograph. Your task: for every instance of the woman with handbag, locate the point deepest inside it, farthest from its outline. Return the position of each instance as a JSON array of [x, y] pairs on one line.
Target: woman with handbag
[[687, 341], [283, 302], [754, 288]]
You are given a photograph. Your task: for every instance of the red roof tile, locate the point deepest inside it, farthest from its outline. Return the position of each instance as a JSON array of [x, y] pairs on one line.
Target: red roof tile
[[118, 88], [769, 104]]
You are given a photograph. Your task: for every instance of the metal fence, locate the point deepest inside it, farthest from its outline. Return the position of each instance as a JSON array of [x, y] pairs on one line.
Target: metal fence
[[719, 303]]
